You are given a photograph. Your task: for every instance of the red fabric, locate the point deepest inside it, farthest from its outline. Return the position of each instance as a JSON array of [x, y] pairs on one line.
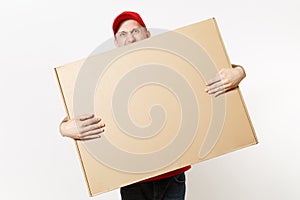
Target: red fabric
[[168, 174], [125, 16]]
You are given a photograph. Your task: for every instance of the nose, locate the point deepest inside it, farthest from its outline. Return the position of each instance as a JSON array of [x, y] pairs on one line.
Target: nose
[[131, 38]]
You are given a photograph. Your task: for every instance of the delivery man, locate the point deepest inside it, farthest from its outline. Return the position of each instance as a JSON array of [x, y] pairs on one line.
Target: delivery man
[[129, 27]]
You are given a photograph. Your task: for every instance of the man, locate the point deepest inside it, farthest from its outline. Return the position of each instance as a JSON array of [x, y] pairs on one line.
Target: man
[[128, 27]]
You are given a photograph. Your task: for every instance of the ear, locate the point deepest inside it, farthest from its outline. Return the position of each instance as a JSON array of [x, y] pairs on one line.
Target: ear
[[148, 34], [116, 42]]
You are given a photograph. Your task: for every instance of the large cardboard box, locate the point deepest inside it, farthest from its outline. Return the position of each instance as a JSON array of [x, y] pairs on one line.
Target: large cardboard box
[[151, 96]]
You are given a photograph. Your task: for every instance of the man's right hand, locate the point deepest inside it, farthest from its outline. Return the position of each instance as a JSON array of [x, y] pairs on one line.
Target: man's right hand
[[83, 127]]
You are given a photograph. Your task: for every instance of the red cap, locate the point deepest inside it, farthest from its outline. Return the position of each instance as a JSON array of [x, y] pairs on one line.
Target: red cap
[[125, 16]]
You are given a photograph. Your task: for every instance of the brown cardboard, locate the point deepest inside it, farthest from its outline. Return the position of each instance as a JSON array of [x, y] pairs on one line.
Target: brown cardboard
[[151, 97]]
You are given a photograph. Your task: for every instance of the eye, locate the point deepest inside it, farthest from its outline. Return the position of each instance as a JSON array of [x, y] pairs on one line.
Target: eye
[[122, 34], [135, 30]]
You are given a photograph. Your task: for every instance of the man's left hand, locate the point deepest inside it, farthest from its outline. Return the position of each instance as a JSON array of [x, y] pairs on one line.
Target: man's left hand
[[225, 80]]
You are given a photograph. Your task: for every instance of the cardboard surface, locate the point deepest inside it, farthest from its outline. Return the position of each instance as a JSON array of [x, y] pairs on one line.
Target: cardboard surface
[[158, 118]]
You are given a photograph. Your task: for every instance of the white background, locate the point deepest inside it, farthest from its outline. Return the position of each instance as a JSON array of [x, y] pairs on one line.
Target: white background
[[37, 35]]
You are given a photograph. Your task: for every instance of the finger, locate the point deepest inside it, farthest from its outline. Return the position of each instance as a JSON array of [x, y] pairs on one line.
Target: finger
[[225, 89], [214, 86], [95, 132], [216, 89], [89, 128], [85, 117], [213, 80], [102, 125], [220, 93], [89, 137], [91, 121]]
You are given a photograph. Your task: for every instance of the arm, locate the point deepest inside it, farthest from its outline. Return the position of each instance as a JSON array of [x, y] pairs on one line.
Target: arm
[[83, 127], [225, 80]]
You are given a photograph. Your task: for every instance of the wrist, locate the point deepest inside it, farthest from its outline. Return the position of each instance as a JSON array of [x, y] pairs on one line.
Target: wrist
[[240, 69], [61, 126]]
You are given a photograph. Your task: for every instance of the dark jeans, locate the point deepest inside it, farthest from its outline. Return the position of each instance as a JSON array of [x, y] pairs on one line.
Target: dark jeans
[[172, 188]]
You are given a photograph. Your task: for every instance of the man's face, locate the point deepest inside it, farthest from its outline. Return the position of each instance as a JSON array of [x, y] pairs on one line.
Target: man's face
[[130, 31]]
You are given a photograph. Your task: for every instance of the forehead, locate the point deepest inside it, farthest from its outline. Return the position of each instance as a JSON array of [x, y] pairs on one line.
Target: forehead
[[128, 25]]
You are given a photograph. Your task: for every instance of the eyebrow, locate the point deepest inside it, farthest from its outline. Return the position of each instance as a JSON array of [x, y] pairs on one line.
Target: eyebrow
[[131, 29]]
